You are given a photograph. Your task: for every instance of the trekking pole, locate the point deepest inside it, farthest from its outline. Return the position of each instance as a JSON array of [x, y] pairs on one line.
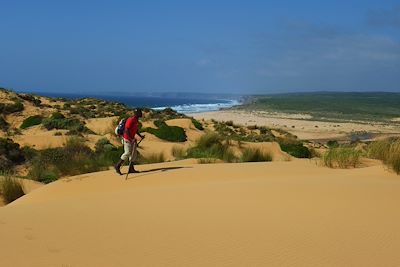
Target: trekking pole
[[132, 159]]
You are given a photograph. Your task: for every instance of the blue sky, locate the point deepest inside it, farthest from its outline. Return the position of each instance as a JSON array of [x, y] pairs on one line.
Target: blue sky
[[200, 46]]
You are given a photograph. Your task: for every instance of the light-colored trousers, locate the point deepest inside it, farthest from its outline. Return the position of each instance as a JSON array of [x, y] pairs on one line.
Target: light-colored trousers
[[128, 148]]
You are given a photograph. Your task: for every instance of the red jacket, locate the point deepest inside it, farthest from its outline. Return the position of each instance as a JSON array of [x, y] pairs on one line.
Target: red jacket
[[131, 128]]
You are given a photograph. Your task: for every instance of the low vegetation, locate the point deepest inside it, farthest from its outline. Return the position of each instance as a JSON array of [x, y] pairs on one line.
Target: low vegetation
[[10, 154], [11, 189], [388, 151], [59, 121], [240, 133], [211, 145], [94, 108], [31, 98], [31, 121], [342, 157], [197, 124], [255, 155], [72, 159], [162, 115], [178, 152], [295, 148], [168, 133], [8, 108], [3, 124], [333, 105]]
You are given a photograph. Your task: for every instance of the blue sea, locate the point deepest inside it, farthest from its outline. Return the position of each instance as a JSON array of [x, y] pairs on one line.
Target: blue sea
[[184, 105]]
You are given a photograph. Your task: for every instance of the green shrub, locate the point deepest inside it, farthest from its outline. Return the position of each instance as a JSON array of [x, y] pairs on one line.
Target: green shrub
[[29, 97], [240, 133], [197, 124], [295, 149], [332, 143], [11, 189], [58, 121], [11, 108], [10, 154], [342, 157], [168, 133], [31, 121], [57, 116], [255, 155], [72, 159], [29, 153]]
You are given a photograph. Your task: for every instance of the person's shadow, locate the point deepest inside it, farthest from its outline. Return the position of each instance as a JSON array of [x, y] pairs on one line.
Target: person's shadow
[[149, 171]]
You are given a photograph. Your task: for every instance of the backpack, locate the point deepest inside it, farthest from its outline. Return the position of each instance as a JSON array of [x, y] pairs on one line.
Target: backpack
[[120, 129]]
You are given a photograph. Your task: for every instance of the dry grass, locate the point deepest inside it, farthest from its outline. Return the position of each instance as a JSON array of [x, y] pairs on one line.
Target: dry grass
[[342, 157], [387, 150], [255, 155], [11, 189], [179, 152]]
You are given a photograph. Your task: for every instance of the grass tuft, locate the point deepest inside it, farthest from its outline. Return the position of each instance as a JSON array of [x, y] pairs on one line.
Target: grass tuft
[[388, 151], [255, 155], [342, 157], [178, 152], [11, 189]]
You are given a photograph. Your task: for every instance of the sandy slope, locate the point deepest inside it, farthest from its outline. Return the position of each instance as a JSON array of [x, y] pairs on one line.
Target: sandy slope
[[258, 214]]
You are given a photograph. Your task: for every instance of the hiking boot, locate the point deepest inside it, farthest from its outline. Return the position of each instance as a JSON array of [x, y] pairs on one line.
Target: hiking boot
[[117, 167], [132, 169]]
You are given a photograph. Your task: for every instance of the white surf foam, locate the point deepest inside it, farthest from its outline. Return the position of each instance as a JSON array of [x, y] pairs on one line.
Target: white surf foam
[[197, 108]]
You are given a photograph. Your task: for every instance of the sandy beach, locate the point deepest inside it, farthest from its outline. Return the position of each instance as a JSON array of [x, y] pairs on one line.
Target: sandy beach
[[302, 125]]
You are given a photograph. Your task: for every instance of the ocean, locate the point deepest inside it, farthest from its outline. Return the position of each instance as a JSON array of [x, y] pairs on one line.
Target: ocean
[[184, 105]]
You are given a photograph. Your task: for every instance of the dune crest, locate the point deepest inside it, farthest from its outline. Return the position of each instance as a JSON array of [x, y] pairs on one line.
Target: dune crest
[[183, 214]]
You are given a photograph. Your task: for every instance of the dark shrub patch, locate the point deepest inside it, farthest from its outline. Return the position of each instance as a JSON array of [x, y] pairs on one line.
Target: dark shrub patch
[[332, 143], [31, 121], [165, 132], [57, 116], [197, 124], [31, 98], [10, 154], [58, 121], [296, 150], [3, 124], [11, 108]]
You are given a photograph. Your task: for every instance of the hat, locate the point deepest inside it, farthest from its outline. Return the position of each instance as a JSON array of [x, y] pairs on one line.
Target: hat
[[138, 112]]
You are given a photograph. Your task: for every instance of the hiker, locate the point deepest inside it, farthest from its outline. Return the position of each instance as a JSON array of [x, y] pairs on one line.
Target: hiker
[[130, 129]]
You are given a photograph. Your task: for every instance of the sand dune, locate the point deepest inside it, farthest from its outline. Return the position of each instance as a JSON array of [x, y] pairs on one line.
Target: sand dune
[[40, 138], [179, 214]]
